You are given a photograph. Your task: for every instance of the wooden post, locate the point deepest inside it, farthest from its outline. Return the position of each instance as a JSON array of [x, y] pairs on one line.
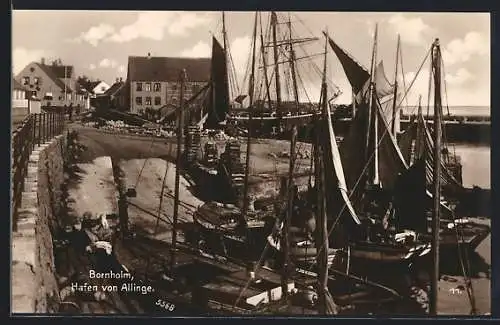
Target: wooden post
[[436, 60], [180, 128]]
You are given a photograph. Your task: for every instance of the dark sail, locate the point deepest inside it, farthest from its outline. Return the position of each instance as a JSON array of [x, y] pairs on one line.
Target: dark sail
[[406, 138], [219, 96], [410, 199], [356, 74]]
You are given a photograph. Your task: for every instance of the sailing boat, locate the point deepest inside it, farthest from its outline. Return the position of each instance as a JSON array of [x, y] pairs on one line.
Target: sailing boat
[[257, 291], [212, 171], [371, 156], [418, 145], [228, 228]]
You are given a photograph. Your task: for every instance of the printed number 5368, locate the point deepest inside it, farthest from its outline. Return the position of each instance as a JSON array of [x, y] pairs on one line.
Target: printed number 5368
[[166, 305]]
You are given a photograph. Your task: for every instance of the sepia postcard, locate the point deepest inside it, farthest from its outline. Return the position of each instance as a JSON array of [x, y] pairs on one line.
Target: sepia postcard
[[189, 163]]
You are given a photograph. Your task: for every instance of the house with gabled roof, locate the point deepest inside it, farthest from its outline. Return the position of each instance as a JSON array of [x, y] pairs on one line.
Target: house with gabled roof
[[53, 84], [117, 94], [153, 82]]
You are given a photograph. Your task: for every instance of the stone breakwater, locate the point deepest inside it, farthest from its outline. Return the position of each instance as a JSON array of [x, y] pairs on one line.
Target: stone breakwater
[[34, 284]]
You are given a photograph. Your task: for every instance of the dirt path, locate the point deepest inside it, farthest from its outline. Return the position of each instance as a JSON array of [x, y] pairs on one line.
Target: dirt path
[[93, 189], [143, 209]]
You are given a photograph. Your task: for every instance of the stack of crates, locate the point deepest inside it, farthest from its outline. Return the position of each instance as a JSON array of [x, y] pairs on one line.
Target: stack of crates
[[193, 143], [235, 167]]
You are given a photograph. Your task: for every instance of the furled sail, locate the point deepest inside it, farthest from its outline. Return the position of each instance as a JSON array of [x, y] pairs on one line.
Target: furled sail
[[405, 141], [391, 161], [219, 95], [448, 181], [333, 163]]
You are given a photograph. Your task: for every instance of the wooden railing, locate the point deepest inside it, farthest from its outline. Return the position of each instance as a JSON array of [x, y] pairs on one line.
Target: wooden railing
[[35, 130]]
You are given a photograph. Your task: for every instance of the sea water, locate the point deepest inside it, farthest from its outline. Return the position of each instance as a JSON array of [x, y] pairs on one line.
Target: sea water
[[475, 164]]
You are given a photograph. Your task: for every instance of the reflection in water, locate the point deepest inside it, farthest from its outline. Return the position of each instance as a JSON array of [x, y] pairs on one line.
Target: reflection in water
[[475, 164]]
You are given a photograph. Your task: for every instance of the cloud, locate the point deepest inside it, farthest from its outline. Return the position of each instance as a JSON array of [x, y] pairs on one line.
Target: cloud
[[461, 50], [200, 50], [412, 30], [461, 77], [458, 91], [108, 63], [152, 25], [95, 34], [185, 21], [21, 57], [92, 66], [240, 53]]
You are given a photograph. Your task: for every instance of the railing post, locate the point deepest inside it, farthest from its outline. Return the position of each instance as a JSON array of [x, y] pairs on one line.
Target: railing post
[[50, 126], [32, 133], [44, 127], [39, 128]]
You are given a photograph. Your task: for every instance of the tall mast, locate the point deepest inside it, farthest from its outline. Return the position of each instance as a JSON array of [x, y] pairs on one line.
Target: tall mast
[[292, 67], [323, 232], [180, 120], [224, 44], [250, 113], [436, 63], [226, 54], [264, 62], [288, 217], [374, 110], [274, 25], [394, 99]]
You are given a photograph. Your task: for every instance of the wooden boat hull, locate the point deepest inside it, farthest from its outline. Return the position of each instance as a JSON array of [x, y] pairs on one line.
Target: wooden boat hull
[[387, 253]]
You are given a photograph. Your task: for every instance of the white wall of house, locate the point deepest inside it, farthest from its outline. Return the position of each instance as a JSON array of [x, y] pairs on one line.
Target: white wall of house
[[153, 94], [19, 101], [101, 88]]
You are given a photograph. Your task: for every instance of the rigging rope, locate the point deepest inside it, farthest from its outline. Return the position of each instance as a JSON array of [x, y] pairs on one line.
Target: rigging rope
[[429, 90], [350, 194], [159, 214], [403, 71], [384, 134]]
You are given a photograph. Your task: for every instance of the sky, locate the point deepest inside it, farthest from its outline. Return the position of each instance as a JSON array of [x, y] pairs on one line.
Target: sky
[[98, 43]]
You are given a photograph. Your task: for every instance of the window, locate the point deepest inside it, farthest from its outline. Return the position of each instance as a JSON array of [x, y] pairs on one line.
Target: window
[[174, 87], [157, 100], [138, 100], [157, 86], [139, 86], [38, 81], [26, 81], [148, 100], [68, 96], [103, 89], [195, 89], [33, 93], [147, 87]]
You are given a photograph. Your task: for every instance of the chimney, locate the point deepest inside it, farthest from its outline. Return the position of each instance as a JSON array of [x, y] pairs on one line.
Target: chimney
[[121, 79], [42, 61]]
